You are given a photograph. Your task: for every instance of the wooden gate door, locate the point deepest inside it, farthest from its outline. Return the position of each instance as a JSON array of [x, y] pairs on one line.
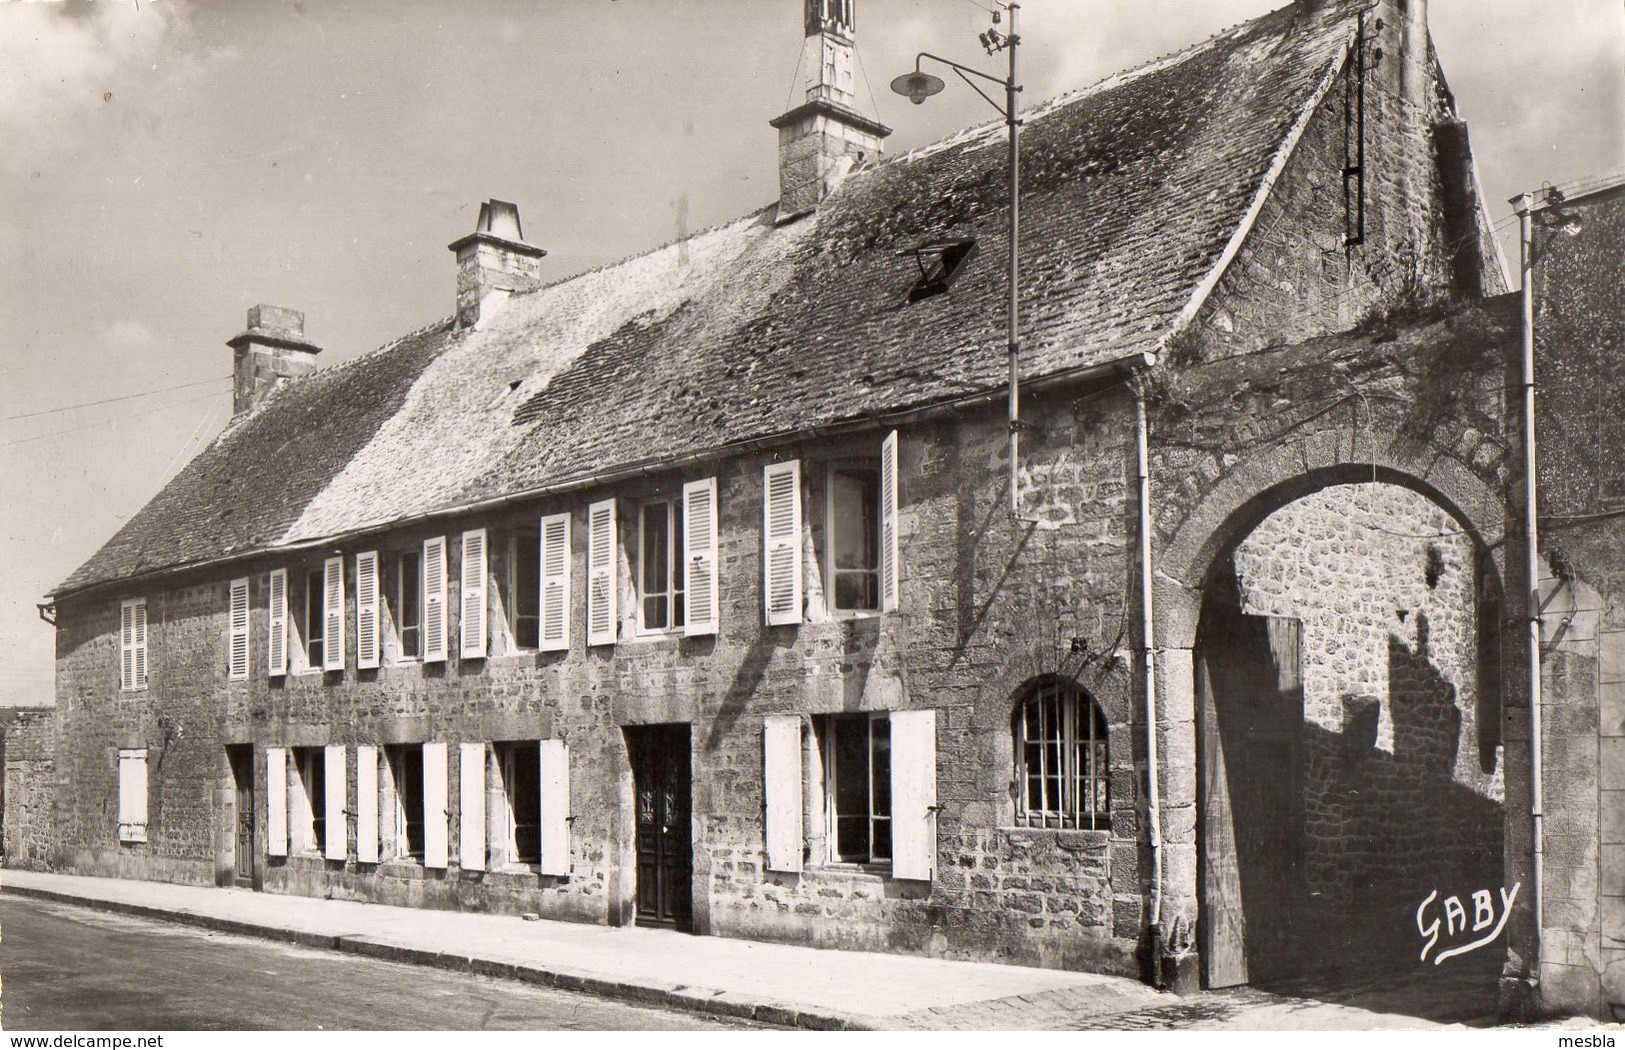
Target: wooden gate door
[[1250, 792], [242, 775], [665, 835]]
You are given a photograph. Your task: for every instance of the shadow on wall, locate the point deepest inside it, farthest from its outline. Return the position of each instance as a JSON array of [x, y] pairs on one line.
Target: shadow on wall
[[1384, 830]]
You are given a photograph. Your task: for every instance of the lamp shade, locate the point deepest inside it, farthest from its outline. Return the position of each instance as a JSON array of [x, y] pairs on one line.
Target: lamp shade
[[917, 86]]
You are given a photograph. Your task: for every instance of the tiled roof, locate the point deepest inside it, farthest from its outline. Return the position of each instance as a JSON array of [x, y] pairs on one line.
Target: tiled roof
[[1131, 191]]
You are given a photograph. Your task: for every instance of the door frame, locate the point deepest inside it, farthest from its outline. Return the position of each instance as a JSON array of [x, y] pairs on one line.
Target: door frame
[[240, 765], [642, 742]]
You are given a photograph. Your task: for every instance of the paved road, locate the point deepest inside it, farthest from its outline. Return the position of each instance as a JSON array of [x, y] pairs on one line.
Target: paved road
[[64, 967]]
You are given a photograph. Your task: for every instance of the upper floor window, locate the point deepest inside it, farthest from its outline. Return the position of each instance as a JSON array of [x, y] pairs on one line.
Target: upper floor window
[[311, 625], [132, 673], [409, 604], [854, 538], [661, 601], [525, 588], [1062, 768]]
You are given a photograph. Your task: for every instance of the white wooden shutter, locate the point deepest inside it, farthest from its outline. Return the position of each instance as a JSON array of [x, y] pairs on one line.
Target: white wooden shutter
[[132, 795], [781, 539], [473, 594], [126, 645], [888, 523], [238, 649], [337, 786], [434, 600], [276, 801], [333, 616], [781, 790], [366, 609], [601, 545], [140, 643], [554, 629], [471, 817], [555, 816], [436, 818], [276, 645], [700, 556], [366, 804], [913, 794]]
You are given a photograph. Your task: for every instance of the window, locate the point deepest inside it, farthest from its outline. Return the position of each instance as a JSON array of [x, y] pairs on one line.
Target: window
[[132, 672], [520, 817], [525, 587], [309, 817], [661, 602], [857, 786], [854, 538], [406, 774], [312, 627], [1062, 777], [132, 795], [409, 605]]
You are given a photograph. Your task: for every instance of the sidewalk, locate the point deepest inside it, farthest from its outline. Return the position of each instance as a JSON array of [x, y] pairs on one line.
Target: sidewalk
[[780, 984]]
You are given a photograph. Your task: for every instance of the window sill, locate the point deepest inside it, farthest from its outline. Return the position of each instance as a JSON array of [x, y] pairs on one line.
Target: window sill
[[866, 871], [855, 614]]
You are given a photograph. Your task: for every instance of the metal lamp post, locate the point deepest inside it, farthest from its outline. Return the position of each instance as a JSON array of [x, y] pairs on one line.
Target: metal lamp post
[[917, 87]]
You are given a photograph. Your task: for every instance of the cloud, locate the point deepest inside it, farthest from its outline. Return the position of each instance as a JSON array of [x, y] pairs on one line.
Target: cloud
[[128, 335], [60, 61]]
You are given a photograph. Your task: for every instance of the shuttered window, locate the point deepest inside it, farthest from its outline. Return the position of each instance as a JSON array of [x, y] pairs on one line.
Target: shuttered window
[[660, 577], [133, 644], [276, 644], [473, 619], [366, 610], [333, 615], [337, 787], [434, 600], [471, 832], [436, 814], [781, 791], [700, 556], [555, 770], [601, 585], [781, 542], [276, 801], [888, 524], [132, 795], [366, 804], [237, 650], [914, 794], [554, 629]]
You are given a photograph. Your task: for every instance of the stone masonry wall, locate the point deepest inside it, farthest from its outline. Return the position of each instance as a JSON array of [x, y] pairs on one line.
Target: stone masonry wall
[[987, 606], [28, 795]]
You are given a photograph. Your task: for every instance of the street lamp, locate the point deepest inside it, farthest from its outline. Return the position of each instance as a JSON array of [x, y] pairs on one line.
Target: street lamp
[[917, 87]]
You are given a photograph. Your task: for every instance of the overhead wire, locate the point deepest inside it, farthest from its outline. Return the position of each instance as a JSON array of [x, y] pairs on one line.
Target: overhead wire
[[108, 422], [108, 400]]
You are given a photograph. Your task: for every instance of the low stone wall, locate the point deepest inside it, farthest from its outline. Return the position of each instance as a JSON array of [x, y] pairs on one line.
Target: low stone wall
[[28, 797]]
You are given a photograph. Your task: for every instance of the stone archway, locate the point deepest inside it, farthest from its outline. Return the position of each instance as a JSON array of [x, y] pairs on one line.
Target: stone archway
[[1352, 780]]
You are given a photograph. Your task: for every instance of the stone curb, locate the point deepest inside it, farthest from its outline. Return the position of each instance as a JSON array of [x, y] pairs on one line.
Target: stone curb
[[680, 997]]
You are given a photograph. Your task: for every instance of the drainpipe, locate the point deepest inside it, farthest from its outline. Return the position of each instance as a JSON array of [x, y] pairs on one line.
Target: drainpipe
[[1524, 205], [1153, 812]]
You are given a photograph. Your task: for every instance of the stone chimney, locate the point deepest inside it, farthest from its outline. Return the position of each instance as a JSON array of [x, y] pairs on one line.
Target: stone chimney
[[825, 137], [273, 349], [494, 260]]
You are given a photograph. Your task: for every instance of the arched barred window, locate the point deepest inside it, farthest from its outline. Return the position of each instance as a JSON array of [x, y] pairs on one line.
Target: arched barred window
[[1062, 778]]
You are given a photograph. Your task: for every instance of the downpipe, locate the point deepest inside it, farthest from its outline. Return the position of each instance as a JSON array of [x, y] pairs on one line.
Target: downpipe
[[1153, 809]]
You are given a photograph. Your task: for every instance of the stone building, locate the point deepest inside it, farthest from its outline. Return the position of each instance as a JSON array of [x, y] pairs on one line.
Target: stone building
[[688, 591]]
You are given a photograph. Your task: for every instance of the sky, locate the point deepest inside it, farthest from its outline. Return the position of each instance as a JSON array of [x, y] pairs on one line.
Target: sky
[[167, 164]]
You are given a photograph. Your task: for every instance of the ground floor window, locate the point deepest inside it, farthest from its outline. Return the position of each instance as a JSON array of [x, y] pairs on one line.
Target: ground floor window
[[309, 823], [405, 764], [520, 831], [857, 786], [1062, 776]]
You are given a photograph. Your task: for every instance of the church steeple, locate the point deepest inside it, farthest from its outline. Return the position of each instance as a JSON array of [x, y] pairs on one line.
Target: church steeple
[[825, 137]]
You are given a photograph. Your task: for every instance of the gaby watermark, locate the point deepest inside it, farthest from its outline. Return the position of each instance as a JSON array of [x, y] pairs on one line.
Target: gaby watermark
[[1487, 915]]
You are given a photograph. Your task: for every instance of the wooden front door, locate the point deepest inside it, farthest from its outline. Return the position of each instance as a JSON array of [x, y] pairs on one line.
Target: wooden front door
[[242, 775], [665, 834], [1250, 790]]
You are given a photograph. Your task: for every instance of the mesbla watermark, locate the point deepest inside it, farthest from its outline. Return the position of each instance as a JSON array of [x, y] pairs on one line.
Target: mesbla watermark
[[1585, 1042]]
